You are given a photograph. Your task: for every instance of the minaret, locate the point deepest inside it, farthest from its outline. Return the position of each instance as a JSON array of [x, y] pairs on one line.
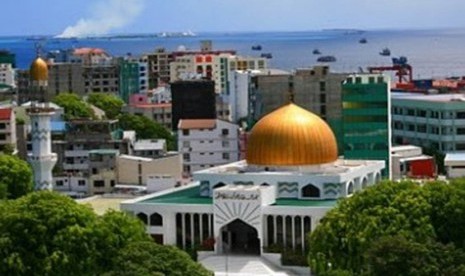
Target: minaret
[[42, 159]]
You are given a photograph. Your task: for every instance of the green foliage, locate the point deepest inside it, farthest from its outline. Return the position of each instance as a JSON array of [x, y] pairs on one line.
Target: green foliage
[[15, 177], [398, 225], [149, 258], [7, 149], [74, 106], [395, 255], [146, 128], [109, 103], [45, 233]]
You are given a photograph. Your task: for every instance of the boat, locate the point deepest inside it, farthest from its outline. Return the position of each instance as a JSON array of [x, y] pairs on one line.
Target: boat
[[363, 40], [385, 52], [266, 55], [316, 52], [257, 47], [326, 59]]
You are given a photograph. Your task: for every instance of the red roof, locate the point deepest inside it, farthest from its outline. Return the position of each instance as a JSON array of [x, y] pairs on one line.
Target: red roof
[[88, 51], [5, 113]]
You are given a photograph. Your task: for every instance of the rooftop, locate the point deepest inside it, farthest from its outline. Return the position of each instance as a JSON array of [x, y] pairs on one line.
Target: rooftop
[[191, 195], [102, 204], [197, 124], [455, 156], [429, 98], [150, 144]]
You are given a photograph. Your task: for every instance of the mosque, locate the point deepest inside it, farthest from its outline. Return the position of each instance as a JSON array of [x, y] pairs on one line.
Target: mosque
[[290, 178]]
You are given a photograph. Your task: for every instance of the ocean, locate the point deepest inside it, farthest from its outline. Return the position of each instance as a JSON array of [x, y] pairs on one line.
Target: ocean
[[432, 53]]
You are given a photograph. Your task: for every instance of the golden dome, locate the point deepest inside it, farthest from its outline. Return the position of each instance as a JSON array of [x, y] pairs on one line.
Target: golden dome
[[291, 136], [39, 70]]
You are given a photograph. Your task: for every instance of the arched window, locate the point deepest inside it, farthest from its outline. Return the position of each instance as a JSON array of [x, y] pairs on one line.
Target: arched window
[[377, 178], [310, 191], [156, 219], [265, 184], [218, 185], [142, 217], [364, 183], [350, 188]]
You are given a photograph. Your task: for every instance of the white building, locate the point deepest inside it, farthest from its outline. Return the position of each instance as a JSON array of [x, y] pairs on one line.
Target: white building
[[7, 75], [454, 164], [206, 143], [7, 128], [151, 148], [408, 161], [291, 177]]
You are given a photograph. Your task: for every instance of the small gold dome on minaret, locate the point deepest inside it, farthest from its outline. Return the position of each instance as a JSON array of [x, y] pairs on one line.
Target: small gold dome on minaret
[[291, 136], [39, 70]]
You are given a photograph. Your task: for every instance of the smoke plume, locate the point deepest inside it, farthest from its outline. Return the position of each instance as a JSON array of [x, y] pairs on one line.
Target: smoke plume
[[106, 15]]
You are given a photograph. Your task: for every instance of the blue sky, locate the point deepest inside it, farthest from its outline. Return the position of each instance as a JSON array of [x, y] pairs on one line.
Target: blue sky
[[27, 17]]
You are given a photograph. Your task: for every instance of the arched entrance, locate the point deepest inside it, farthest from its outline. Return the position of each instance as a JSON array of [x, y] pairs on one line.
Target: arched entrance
[[239, 237]]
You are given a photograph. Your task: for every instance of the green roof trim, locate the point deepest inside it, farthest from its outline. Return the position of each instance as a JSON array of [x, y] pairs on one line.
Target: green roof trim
[[185, 196], [192, 196]]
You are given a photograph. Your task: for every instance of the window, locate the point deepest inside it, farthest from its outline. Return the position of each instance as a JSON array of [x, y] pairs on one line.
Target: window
[[186, 144], [142, 217], [225, 144], [112, 183], [322, 98], [226, 155], [2, 126], [350, 188], [81, 183], [371, 79], [218, 185], [185, 132], [322, 86], [310, 191], [358, 80], [225, 131], [99, 183], [59, 183], [156, 219], [186, 157]]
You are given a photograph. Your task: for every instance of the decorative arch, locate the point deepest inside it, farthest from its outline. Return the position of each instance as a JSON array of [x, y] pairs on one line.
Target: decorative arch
[[364, 183], [350, 188], [240, 237], [264, 184], [143, 217], [377, 177], [311, 191], [156, 219]]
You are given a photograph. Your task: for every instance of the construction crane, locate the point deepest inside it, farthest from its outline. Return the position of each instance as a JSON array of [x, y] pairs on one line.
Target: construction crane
[[403, 70]]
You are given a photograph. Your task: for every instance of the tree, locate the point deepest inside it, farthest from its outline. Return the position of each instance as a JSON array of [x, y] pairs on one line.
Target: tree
[[45, 233], [15, 177], [74, 106], [149, 258], [109, 103], [395, 255], [146, 129], [394, 226]]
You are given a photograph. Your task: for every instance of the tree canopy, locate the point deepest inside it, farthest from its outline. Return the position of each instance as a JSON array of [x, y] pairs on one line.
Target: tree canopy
[[74, 106], [15, 177], [143, 258], [146, 128], [44, 233], [109, 103], [380, 226]]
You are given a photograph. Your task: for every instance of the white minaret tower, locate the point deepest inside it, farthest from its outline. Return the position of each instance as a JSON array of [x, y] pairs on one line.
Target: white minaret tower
[[42, 159]]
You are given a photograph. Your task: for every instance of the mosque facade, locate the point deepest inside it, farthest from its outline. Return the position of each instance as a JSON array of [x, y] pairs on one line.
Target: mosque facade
[[290, 179]]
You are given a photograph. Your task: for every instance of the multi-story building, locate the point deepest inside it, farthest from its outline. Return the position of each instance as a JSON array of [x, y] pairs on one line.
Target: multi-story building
[[434, 121], [365, 124], [128, 79], [159, 67], [7, 128], [193, 99], [83, 136], [160, 113], [206, 143], [66, 77], [7, 76]]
